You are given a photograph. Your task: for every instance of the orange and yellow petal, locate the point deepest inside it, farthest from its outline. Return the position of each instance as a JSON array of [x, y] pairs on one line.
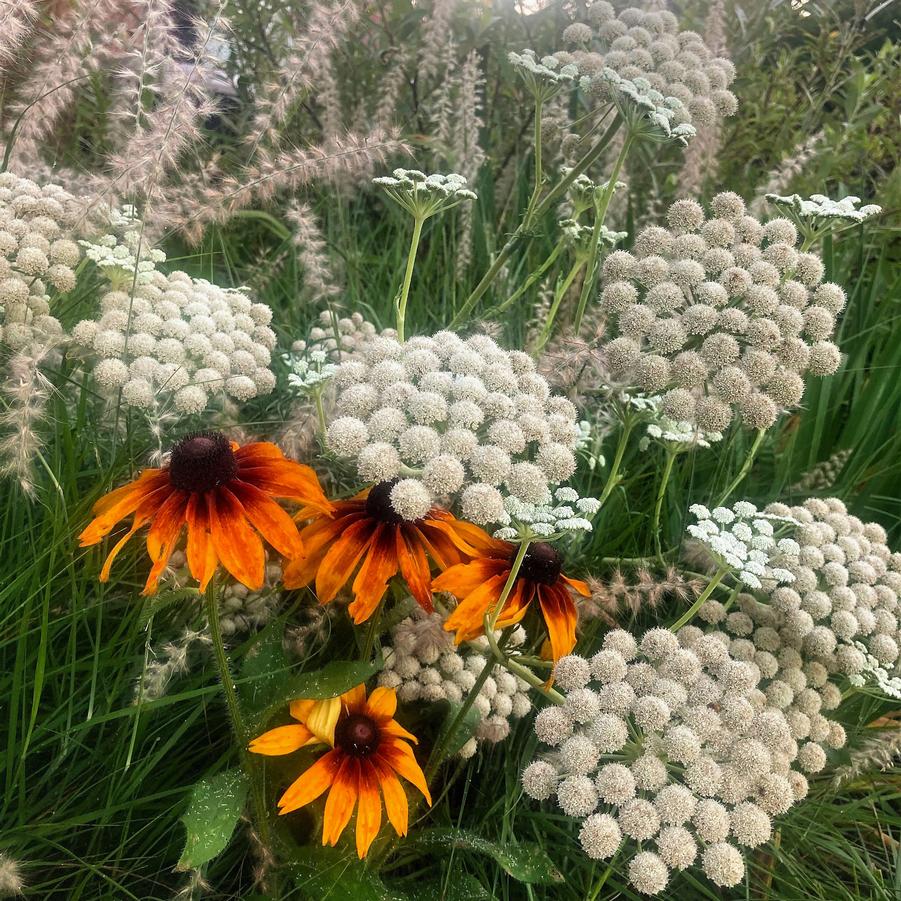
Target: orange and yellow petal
[[269, 519], [354, 699], [560, 616], [465, 578], [578, 585], [118, 504], [369, 810], [467, 618], [237, 545], [320, 717], [399, 756], [414, 565], [342, 558], [281, 740], [396, 804], [311, 783], [341, 800], [381, 703], [371, 582]]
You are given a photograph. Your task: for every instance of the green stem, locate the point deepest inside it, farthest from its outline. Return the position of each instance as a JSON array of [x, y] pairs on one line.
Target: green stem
[[613, 478], [539, 174], [746, 466], [408, 276], [533, 277], [689, 614], [606, 875], [234, 712], [658, 507], [372, 632], [492, 615], [591, 270], [536, 213], [559, 294]]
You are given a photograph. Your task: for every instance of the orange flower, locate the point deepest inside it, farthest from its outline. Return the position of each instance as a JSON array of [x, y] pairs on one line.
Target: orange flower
[[369, 751], [367, 529], [479, 584], [223, 493]]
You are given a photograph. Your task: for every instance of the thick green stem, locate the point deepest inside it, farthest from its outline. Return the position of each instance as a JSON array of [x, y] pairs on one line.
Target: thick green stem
[[408, 277], [528, 220], [689, 614], [591, 269], [533, 277], [539, 174], [559, 294], [613, 478], [746, 466], [658, 506]]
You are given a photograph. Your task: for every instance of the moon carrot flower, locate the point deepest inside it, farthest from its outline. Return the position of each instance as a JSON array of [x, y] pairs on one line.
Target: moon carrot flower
[[369, 749], [479, 584], [224, 494], [366, 535]]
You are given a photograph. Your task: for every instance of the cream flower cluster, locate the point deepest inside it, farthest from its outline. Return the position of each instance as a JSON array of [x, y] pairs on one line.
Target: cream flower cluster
[[668, 747], [678, 435], [423, 664], [124, 255], [747, 541], [38, 258], [425, 195], [180, 340], [543, 75], [840, 615], [644, 62], [724, 314], [566, 512], [453, 418], [341, 337], [819, 207]]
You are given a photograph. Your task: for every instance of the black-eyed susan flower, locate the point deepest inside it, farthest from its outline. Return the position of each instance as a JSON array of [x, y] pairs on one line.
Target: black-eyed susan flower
[[224, 494], [367, 536], [479, 584], [369, 749]]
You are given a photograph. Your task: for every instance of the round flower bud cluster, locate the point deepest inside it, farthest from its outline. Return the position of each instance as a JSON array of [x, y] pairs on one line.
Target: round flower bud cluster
[[124, 255], [425, 195], [666, 745], [747, 541], [423, 664], [644, 58], [823, 475], [464, 419], [180, 339], [38, 258], [341, 338], [677, 435], [308, 370], [567, 513], [722, 314], [838, 620]]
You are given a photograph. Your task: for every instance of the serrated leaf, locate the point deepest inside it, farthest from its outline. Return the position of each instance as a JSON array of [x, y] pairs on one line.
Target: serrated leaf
[[327, 874], [216, 804], [524, 861]]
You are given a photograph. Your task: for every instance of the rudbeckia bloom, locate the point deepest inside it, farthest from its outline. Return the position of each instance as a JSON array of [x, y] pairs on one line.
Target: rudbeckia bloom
[[366, 528], [224, 494], [479, 584], [369, 750]]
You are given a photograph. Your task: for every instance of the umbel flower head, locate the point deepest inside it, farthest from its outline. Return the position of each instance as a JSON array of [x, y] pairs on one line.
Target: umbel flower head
[[365, 535], [479, 585], [224, 494], [818, 215], [654, 72], [722, 314], [369, 749], [545, 76], [425, 195], [461, 419]]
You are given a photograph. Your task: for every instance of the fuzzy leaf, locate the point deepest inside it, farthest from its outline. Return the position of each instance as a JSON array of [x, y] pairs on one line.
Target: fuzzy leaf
[[525, 861], [327, 874], [216, 804], [460, 887]]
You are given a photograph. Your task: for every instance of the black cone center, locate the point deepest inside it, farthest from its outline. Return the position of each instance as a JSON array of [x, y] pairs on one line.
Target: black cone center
[[378, 504], [202, 461], [357, 735], [542, 563]]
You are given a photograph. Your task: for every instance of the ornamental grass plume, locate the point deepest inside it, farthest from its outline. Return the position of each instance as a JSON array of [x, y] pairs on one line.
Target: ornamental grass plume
[[666, 750], [724, 314], [224, 494], [369, 749]]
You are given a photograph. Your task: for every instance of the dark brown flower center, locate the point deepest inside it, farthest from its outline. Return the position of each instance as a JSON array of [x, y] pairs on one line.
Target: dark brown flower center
[[378, 504], [542, 563], [202, 461], [357, 735]]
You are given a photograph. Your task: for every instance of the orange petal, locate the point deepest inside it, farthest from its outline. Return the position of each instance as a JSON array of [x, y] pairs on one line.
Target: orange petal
[[467, 617], [269, 519], [262, 451], [146, 510], [341, 799], [580, 586], [393, 727], [414, 566], [120, 503], [382, 703], [354, 698], [163, 536], [395, 797], [316, 539], [465, 578], [399, 756], [470, 539], [284, 478], [237, 545], [341, 559], [310, 784], [202, 559], [369, 812], [560, 615], [517, 605], [372, 580], [281, 740]]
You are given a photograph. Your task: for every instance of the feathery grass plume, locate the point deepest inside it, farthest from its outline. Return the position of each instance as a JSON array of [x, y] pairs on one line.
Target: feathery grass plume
[[26, 391], [16, 24], [318, 278], [779, 179], [436, 49], [823, 475], [879, 750], [645, 590], [11, 881], [700, 161], [170, 661], [395, 79], [195, 887]]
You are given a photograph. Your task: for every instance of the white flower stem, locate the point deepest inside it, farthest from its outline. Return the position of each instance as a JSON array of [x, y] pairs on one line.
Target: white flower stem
[[613, 478], [559, 294], [689, 614], [658, 506], [533, 277], [745, 468], [408, 276]]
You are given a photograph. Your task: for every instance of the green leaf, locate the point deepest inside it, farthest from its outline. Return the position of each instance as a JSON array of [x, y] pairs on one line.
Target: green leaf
[[327, 874], [524, 861], [216, 804], [460, 887], [464, 732]]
